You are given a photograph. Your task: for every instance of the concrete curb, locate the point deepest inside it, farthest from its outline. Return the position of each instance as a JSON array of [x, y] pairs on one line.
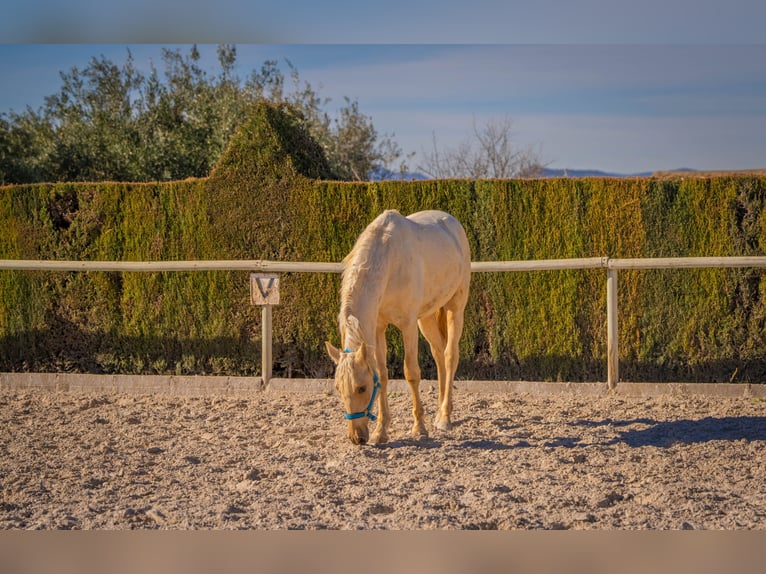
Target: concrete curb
[[131, 384], [243, 386]]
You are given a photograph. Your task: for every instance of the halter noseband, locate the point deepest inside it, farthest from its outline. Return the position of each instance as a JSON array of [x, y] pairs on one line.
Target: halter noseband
[[368, 411]]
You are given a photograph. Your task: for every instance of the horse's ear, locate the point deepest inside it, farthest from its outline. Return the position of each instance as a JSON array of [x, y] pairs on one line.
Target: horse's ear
[[333, 352], [363, 352]]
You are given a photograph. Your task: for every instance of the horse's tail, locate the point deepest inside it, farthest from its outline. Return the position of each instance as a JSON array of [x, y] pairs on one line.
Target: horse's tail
[[441, 319]]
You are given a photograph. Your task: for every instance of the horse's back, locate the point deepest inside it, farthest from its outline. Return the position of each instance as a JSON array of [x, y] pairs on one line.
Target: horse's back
[[436, 225], [420, 263], [434, 217], [439, 258]]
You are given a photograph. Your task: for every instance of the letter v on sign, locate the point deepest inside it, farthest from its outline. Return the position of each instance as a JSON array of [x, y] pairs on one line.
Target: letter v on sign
[[264, 289]]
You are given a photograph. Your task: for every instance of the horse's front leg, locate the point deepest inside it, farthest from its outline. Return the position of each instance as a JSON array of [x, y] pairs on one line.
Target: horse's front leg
[[412, 374], [380, 434]]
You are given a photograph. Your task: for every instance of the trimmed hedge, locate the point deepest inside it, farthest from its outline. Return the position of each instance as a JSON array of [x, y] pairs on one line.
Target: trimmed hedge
[[272, 197]]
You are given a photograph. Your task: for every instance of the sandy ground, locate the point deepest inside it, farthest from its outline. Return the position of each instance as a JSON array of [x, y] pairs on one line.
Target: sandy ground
[[282, 461]]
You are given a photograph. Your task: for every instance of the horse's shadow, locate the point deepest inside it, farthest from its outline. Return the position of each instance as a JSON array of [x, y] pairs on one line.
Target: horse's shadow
[[432, 443], [424, 443], [661, 434], [685, 431]]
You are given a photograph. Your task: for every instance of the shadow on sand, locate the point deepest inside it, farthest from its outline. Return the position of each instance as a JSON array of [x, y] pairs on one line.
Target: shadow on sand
[[668, 433], [654, 433]]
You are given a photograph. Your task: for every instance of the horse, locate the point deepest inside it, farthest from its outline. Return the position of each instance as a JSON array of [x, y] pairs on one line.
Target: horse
[[412, 272]]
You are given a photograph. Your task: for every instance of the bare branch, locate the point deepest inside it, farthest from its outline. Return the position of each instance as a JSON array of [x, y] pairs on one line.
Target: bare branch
[[490, 154]]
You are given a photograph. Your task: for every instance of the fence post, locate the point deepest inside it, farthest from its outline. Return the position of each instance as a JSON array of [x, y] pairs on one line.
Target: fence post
[[613, 366], [264, 291], [266, 361]]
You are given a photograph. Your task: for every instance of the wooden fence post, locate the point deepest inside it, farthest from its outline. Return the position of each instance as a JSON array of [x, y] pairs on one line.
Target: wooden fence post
[[266, 360], [264, 291]]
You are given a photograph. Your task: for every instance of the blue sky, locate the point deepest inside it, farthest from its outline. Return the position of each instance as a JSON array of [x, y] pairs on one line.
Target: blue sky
[[393, 21], [592, 84]]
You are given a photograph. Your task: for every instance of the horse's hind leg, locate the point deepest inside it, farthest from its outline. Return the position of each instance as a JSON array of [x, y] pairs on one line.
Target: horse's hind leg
[[454, 319], [412, 374], [433, 328]]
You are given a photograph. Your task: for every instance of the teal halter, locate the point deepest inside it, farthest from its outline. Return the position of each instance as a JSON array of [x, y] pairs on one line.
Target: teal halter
[[368, 411]]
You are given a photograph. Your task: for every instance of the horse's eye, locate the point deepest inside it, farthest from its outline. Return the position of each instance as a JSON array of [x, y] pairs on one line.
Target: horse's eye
[[361, 390]]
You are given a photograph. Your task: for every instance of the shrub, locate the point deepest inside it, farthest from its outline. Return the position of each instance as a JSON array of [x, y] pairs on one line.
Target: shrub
[[272, 197]]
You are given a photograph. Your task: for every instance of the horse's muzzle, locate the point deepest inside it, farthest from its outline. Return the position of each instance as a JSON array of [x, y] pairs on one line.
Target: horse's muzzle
[[358, 433]]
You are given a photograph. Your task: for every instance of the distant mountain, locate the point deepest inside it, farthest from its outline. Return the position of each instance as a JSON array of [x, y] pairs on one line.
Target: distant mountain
[[383, 174], [548, 172]]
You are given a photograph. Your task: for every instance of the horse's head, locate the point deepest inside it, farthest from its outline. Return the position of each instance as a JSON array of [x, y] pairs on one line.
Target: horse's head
[[357, 384]]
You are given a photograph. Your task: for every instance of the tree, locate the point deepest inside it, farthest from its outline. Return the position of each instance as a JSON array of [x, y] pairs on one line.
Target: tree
[[19, 134], [353, 146], [188, 119], [94, 122], [111, 122], [491, 154]]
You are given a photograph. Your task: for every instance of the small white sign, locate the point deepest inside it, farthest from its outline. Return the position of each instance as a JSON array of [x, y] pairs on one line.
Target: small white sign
[[264, 289]]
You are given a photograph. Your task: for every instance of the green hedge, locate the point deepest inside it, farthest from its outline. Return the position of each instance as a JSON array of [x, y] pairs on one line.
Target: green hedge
[[272, 197]]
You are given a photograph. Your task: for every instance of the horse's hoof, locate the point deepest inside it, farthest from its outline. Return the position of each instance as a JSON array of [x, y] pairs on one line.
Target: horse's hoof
[[379, 438], [419, 432], [443, 424]]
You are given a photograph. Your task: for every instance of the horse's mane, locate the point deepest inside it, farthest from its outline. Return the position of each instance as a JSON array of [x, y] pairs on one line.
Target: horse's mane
[[365, 259], [351, 333]]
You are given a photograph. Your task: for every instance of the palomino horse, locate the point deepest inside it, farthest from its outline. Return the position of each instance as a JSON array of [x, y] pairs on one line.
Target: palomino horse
[[410, 272]]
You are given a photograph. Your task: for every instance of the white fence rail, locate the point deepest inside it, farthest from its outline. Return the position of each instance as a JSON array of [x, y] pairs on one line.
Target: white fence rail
[[612, 267], [255, 265]]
